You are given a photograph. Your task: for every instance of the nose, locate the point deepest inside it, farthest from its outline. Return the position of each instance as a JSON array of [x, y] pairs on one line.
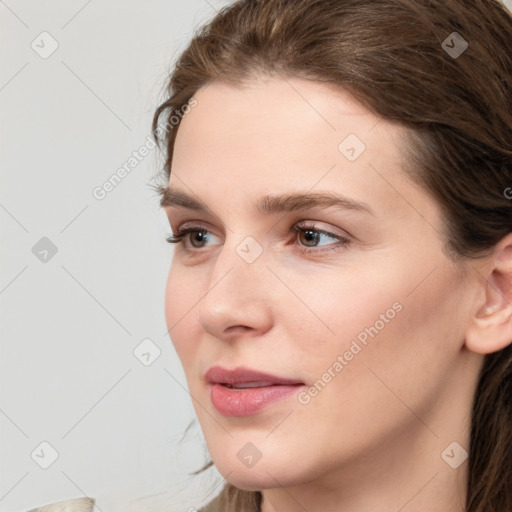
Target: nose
[[237, 302]]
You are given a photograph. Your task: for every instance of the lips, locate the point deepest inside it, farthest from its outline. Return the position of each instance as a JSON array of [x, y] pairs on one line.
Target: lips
[[242, 377], [244, 392]]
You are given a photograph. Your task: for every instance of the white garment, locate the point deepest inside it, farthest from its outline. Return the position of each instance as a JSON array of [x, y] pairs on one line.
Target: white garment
[[76, 505]]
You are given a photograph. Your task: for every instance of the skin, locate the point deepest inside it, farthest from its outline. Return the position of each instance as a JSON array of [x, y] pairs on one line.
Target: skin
[[372, 438]]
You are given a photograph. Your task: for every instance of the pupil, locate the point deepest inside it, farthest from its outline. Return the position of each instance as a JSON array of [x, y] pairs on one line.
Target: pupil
[[200, 236], [311, 236]]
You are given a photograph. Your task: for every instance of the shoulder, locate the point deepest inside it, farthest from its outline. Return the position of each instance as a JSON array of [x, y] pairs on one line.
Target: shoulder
[[75, 505]]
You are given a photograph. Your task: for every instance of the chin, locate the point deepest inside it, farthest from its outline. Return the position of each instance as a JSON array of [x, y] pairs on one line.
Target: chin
[[249, 481], [263, 475]]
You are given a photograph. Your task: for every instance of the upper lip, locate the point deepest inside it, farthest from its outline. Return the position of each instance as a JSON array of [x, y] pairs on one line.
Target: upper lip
[[242, 375]]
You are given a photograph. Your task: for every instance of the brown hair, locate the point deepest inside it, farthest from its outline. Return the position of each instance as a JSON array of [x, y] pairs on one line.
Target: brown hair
[[394, 57]]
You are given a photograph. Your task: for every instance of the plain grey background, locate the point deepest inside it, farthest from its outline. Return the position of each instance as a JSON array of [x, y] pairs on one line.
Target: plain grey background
[[73, 320]]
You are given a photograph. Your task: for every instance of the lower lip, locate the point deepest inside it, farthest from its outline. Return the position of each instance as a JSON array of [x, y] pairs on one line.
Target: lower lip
[[248, 401]]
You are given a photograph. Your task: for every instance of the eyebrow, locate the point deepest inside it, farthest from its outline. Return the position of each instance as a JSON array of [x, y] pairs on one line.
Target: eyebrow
[[270, 203]]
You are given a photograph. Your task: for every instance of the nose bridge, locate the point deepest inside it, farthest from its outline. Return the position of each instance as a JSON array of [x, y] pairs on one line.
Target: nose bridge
[[236, 294], [240, 262]]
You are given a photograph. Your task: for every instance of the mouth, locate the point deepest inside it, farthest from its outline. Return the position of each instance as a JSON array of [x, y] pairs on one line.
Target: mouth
[[247, 385], [244, 392], [242, 377]]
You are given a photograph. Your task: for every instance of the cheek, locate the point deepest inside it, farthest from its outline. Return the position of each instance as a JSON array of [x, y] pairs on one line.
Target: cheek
[[361, 376], [181, 297], [330, 309], [403, 327]]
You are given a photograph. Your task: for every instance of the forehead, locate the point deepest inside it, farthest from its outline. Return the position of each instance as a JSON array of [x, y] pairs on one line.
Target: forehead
[[278, 136], [281, 122], [291, 108]]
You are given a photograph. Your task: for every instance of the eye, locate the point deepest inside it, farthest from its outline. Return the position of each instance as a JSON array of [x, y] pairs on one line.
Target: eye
[[311, 235], [201, 235]]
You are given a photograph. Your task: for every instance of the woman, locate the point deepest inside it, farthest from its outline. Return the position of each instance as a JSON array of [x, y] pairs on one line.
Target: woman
[[338, 183]]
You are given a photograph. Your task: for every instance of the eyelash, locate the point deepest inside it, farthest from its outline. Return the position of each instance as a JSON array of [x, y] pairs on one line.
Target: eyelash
[[343, 241]]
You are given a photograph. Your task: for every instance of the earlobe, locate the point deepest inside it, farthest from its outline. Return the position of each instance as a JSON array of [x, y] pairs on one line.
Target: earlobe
[[490, 327]]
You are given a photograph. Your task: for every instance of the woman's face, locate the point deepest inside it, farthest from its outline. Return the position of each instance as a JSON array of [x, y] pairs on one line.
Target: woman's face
[[361, 314]]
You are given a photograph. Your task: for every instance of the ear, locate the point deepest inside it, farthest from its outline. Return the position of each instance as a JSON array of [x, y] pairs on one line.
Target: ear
[[490, 325]]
